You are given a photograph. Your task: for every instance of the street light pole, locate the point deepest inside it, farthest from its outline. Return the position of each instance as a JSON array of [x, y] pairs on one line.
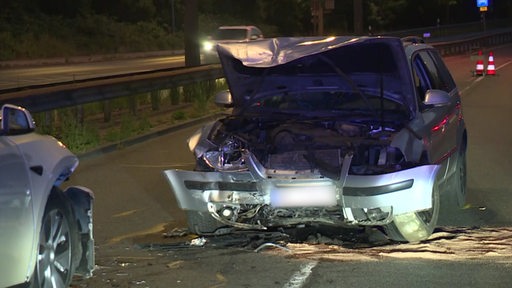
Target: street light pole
[[192, 56], [358, 17], [173, 21]]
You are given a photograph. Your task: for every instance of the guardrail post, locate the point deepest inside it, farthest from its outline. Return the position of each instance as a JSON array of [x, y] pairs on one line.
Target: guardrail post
[[79, 114], [155, 100], [188, 93], [175, 96], [132, 104], [107, 111]]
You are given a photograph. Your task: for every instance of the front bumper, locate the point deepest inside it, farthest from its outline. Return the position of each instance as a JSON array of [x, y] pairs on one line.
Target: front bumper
[[362, 200]]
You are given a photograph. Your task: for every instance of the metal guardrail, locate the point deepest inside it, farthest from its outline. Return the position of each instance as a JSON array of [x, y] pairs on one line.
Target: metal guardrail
[[470, 44], [59, 95]]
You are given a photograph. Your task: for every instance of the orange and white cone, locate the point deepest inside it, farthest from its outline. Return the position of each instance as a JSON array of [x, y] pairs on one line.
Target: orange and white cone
[[491, 70], [479, 71]]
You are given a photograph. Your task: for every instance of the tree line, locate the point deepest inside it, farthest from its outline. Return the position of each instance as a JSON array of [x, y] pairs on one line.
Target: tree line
[[159, 24]]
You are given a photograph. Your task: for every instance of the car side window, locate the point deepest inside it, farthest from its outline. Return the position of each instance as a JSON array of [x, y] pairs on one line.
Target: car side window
[[255, 34], [446, 81], [435, 70], [421, 78]]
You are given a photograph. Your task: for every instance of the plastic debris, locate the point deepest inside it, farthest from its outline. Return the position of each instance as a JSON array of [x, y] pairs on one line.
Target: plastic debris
[[266, 245], [176, 232], [198, 241]]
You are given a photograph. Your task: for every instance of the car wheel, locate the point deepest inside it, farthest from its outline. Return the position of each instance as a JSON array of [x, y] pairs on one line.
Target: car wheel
[[416, 226], [459, 180], [202, 223], [58, 239]]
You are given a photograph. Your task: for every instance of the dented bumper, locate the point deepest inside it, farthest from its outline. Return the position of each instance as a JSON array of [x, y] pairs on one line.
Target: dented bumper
[[363, 200]]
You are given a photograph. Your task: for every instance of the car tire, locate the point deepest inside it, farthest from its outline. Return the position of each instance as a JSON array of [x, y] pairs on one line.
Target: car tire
[[417, 226], [58, 244], [459, 180], [202, 223]]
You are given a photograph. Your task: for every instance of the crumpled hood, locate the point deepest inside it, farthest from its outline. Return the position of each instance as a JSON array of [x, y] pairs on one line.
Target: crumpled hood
[[258, 68]]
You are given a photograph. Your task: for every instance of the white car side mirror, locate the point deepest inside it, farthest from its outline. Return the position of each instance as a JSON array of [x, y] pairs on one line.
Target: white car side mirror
[[16, 120]]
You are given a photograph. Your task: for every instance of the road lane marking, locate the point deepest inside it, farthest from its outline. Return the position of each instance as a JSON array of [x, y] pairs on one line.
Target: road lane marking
[[299, 278], [126, 213], [169, 165], [505, 64], [478, 79], [155, 229]]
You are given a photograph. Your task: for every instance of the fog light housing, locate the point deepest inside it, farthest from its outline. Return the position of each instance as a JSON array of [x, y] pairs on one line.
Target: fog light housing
[[226, 212], [376, 214]]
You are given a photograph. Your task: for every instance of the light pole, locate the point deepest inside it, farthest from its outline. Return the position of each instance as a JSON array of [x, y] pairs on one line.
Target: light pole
[[173, 21]]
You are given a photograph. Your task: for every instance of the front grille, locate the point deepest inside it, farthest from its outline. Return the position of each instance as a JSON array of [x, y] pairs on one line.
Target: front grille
[[303, 160]]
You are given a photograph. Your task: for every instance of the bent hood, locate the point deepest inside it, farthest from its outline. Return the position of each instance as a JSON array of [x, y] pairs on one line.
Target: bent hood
[[259, 68]]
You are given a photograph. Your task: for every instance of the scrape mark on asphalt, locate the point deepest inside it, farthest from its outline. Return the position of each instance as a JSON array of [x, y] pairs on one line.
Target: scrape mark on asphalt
[[299, 278], [449, 243]]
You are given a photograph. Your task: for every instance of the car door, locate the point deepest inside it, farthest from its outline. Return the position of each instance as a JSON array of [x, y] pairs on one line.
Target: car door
[[17, 229], [431, 73]]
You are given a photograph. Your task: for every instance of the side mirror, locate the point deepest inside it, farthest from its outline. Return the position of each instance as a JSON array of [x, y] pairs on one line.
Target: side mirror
[[224, 99], [16, 120], [434, 98]]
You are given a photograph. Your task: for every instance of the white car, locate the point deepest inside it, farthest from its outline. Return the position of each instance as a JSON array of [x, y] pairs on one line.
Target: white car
[[227, 34], [340, 131], [46, 233]]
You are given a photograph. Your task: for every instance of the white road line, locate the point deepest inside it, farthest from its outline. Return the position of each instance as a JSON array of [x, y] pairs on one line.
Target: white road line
[[478, 79], [499, 67], [299, 278]]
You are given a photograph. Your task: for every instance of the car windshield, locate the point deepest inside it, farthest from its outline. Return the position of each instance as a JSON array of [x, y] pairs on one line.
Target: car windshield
[[230, 34]]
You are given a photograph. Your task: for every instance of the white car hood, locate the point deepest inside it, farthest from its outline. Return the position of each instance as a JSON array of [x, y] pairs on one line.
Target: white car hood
[[255, 69]]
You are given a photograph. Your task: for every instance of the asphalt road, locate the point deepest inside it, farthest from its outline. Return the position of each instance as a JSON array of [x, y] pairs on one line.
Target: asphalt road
[[20, 75], [134, 207]]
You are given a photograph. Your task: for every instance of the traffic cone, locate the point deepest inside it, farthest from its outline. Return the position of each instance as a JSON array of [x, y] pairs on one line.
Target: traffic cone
[[491, 70], [479, 71]]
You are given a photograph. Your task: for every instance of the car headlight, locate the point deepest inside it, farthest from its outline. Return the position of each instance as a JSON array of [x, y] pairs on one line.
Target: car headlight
[[208, 46], [194, 140], [228, 157]]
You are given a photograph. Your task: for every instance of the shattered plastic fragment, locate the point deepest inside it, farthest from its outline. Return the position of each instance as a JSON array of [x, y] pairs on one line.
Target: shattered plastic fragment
[[175, 264], [176, 232], [265, 245], [198, 241]]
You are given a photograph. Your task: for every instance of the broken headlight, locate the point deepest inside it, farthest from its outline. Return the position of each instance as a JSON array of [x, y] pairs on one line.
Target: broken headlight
[[228, 157]]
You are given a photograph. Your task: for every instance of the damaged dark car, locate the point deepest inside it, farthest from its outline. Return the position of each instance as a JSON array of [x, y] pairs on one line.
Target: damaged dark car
[[349, 132]]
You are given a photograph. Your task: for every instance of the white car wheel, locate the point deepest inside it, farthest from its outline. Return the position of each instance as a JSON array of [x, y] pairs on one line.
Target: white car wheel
[[57, 241], [459, 179]]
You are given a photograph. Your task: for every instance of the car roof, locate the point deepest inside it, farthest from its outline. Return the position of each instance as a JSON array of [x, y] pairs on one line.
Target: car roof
[[237, 27]]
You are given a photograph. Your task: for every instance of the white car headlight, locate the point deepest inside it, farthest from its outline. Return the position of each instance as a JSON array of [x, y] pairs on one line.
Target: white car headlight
[[194, 140], [208, 46], [229, 156]]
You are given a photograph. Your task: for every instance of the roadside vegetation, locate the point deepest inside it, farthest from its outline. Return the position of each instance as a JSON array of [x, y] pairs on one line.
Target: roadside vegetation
[[31, 29], [84, 128]]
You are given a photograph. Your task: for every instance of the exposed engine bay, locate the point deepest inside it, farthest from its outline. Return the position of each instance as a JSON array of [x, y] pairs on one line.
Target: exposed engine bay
[[309, 145]]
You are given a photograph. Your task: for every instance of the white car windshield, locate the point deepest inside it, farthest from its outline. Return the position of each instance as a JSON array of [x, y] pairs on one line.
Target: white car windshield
[[230, 34]]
